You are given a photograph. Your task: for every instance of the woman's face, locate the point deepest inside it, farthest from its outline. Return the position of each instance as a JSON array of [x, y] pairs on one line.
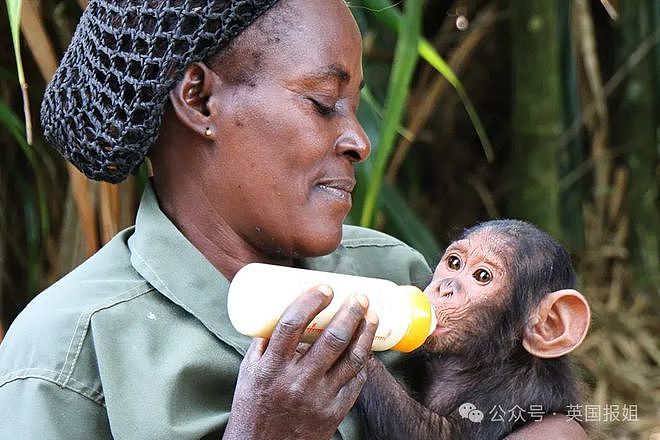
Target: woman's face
[[281, 172]]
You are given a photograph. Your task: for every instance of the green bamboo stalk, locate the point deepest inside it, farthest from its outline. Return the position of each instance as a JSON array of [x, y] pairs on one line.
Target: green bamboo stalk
[[537, 114], [570, 153], [636, 128]]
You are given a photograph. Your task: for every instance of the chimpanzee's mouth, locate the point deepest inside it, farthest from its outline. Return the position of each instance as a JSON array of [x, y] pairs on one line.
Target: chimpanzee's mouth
[[437, 332]]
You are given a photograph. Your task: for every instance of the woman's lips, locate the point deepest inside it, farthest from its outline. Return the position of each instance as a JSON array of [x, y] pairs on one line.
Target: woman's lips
[[339, 189], [336, 192]]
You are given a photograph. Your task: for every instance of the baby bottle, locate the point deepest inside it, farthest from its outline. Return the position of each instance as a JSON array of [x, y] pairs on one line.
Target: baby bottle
[[259, 294]]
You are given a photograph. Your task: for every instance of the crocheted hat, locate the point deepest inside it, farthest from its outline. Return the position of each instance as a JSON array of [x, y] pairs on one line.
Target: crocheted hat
[[102, 110]]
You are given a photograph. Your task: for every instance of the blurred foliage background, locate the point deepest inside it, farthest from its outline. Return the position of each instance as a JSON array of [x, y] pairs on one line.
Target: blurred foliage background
[[554, 120]]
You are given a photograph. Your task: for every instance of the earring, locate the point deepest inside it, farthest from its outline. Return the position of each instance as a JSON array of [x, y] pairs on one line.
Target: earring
[[208, 132]]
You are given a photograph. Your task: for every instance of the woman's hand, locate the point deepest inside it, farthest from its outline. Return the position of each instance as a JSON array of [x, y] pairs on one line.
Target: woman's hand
[[288, 389]]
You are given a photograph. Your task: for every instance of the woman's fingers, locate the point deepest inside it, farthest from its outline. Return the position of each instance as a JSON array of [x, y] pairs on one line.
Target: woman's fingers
[[355, 358], [338, 335], [294, 320], [255, 350], [348, 394], [253, 355], [284, 376], [339, 354]]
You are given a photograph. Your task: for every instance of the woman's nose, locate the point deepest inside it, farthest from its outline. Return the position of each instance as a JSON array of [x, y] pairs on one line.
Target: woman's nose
[[354, 144]]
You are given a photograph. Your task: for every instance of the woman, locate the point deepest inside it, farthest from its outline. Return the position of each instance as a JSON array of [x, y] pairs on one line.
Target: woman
[[253, 161]]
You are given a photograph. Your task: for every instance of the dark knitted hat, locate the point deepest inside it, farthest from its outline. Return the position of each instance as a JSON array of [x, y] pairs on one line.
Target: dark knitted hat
[[103, 108]]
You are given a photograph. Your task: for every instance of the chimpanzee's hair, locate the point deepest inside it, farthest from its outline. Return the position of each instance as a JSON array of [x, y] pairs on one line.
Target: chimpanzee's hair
[[537, 265], [489, 368]]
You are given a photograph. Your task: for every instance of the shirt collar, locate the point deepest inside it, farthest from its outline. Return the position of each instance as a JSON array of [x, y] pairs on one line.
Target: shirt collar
[[164, 257], [170, 263]]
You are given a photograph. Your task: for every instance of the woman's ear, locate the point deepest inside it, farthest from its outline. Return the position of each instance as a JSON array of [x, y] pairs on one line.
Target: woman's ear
[[558, 325], [190, 99]]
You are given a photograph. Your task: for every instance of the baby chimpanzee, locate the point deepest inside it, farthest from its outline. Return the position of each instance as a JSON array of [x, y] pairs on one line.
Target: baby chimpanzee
[[507, 316]]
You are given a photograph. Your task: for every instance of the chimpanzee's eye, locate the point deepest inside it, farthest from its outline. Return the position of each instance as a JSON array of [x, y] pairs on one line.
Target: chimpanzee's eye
[[482, 275], [453, 262]]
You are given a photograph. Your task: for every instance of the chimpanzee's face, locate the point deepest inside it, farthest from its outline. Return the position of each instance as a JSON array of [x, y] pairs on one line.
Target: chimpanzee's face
[[471, 277]]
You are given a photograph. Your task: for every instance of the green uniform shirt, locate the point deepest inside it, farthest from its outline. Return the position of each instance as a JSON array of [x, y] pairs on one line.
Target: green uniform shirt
[[136, 344]]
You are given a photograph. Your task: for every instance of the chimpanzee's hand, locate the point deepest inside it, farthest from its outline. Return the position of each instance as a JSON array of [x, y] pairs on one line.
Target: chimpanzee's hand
[[287, 389]]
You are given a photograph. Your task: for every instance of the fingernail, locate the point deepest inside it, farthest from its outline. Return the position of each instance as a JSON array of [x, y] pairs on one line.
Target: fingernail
[[363, 300], [372, 317], [325, 289]]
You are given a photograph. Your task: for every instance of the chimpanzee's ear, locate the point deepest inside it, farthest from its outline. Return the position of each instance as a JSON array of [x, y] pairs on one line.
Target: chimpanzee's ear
[[558, 325]]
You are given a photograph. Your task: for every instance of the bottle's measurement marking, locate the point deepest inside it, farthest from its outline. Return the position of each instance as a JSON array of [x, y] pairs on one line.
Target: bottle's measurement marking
[[315, 331]]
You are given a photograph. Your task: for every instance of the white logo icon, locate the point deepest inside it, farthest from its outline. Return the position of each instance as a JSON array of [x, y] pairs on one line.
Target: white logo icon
[[464, 409], [469, 411]]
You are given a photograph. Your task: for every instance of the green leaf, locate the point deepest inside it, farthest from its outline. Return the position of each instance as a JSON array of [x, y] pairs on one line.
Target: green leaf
[[8, 75], [16, 127], [407, 225], [386, 12], [428, 52], [370, 100], [405, 60], [14, 11], [391, 17]]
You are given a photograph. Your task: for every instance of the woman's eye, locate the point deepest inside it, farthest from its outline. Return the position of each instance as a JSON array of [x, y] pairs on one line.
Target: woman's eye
[[482, 275], [453, 262], [321, 108]]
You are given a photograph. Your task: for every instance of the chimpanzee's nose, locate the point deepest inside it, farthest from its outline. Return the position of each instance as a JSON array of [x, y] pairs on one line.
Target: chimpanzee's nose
[[444, 288]]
